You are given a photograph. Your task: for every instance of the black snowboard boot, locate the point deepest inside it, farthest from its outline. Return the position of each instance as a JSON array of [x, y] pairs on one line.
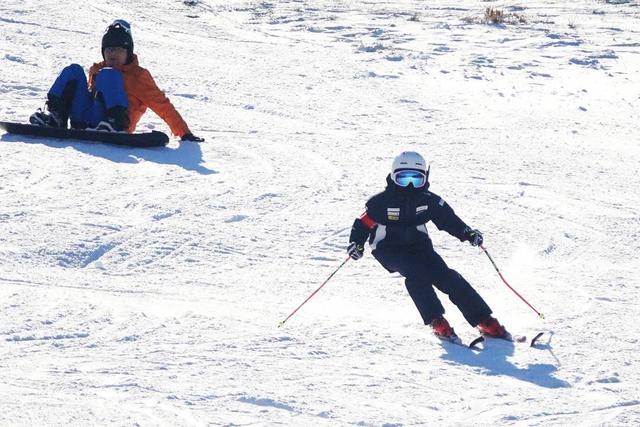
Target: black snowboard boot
[[117, 120], [58, 108], [55, 116]]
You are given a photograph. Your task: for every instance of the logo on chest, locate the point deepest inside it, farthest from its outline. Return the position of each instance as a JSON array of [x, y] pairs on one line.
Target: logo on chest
[[393, 214], [421, 208]]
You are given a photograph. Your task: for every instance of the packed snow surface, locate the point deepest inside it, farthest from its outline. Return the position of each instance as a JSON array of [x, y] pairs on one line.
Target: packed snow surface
[[145, 286]]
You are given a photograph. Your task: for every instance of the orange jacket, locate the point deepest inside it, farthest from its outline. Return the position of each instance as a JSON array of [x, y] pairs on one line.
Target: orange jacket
[[143, 92]]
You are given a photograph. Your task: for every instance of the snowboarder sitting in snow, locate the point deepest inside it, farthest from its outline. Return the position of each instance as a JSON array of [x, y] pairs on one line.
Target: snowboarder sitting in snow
[[115, 97], [394, 222]]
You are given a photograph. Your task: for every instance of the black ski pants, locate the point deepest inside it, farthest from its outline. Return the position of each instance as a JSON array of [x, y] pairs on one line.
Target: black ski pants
[[423, 269]]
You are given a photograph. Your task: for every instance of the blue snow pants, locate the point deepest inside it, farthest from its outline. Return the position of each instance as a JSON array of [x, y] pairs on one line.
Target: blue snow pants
[[88, 109], [423, 269]]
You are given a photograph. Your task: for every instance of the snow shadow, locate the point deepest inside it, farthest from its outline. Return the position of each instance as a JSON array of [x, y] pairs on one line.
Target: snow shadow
[[493, 360], [187, 155]]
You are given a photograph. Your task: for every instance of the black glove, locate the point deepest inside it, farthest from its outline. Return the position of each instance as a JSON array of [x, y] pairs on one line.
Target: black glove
[[355, 250], [191, 137], [473, 236]]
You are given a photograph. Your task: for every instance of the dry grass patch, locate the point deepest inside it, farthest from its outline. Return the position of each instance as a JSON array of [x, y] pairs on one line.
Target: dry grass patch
[[496, 17], [493, 16]]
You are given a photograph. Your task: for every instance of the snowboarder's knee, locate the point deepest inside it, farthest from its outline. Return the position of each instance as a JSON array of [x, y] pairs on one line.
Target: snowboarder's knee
[[74, 70], [109, 75]]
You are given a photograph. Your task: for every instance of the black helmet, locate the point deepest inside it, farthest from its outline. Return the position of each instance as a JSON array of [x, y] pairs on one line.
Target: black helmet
[[118, 34]]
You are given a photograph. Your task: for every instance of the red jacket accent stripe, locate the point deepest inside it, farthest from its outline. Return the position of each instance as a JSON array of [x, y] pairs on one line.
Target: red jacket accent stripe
[[367, 221]]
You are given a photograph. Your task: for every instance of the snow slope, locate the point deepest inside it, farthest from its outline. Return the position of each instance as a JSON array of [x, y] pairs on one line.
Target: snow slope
[[144, 287]]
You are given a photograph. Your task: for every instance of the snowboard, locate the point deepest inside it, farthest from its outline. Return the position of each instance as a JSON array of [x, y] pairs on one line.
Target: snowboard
[[149, 139]]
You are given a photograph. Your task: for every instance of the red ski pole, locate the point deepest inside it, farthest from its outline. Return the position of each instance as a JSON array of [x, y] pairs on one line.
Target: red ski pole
[[315, 292], [509, 286]]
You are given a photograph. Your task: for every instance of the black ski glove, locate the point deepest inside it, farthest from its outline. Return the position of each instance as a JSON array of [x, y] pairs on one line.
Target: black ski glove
[[473, 236], [355, 250], [191, 137]]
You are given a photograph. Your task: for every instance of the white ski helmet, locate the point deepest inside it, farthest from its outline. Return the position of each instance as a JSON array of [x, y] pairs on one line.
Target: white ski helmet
[[408, 160]]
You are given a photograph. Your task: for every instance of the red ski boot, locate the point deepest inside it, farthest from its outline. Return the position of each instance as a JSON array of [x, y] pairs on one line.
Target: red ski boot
[[491, 327], [441, 328]]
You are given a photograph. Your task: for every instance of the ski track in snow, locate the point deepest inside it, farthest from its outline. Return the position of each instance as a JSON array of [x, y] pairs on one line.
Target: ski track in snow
[[145, 286]]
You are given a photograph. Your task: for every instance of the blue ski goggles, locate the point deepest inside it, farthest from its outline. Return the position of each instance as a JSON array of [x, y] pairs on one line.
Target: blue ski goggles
[[405, 177]]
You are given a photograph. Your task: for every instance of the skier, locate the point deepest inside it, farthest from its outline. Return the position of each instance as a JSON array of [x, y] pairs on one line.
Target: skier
[[394, 222], [116, 95]]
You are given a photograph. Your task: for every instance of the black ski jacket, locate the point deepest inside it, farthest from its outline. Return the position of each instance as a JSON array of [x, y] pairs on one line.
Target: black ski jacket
[[396, 218]]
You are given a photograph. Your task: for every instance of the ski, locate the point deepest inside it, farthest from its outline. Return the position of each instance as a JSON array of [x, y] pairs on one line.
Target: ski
[[520, 339], [454, 339], [476, 341], [535, 339], [515, 338]]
